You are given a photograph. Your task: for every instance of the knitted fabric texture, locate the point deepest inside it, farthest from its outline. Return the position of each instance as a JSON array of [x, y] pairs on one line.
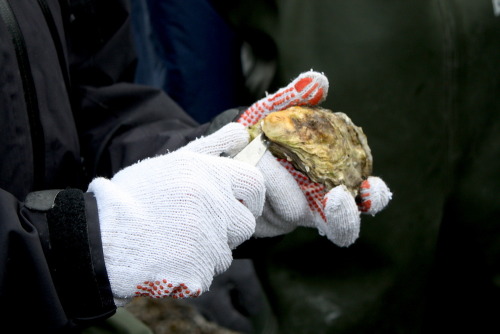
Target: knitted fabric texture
[[292, 199], [169, 223]]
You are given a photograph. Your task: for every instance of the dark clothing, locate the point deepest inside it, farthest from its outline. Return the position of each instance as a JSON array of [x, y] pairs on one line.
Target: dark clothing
[[68, 112], [187, 49]]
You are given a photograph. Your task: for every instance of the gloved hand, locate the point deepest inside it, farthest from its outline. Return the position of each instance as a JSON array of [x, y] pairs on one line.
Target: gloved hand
[[169, 223], [291, 198]]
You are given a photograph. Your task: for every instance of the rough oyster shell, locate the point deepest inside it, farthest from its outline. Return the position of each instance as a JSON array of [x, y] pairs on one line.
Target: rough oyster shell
[[324, 145]]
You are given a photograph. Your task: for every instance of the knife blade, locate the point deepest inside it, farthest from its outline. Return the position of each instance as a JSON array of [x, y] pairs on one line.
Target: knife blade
[[253, 152]]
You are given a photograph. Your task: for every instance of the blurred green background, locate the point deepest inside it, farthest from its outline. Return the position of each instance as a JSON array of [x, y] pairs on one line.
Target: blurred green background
[[422, 78]]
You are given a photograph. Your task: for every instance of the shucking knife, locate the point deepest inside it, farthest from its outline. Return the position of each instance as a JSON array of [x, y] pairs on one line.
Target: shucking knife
[[253, 152]]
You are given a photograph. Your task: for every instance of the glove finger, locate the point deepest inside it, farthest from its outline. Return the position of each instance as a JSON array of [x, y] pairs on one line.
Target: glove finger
[[241, 226], [313, 192], [229, 140], [309, 88], [282, 191], [271, 224], [343, 221], [374, 195], [249, 191], [247, 184]]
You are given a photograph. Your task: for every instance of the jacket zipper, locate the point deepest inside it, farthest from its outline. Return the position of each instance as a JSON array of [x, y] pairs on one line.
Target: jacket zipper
[[30, 97], [49, 19]]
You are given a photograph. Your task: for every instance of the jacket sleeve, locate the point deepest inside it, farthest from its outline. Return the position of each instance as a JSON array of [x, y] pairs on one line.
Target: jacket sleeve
[[53, 274], [119, 122], [52, 268]]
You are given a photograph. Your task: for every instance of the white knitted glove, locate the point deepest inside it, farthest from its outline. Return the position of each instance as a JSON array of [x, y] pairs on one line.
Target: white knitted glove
[[291, 198], [168, 223]]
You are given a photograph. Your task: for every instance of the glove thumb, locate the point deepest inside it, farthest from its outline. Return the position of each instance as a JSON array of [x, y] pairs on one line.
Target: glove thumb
[[230, 139]]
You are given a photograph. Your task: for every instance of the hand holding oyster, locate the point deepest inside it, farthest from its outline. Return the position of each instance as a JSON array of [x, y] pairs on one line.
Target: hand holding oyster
[[324, 145], [325, 181]]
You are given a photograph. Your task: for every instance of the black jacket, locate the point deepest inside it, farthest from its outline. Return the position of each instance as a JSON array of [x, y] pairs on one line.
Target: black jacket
[[68, 112]]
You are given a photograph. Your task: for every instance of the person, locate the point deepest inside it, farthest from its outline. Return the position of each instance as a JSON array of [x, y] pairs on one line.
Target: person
[[110, 191]]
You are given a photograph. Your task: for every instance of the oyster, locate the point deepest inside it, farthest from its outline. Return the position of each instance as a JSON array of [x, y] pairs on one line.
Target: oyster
[[325, 146]]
